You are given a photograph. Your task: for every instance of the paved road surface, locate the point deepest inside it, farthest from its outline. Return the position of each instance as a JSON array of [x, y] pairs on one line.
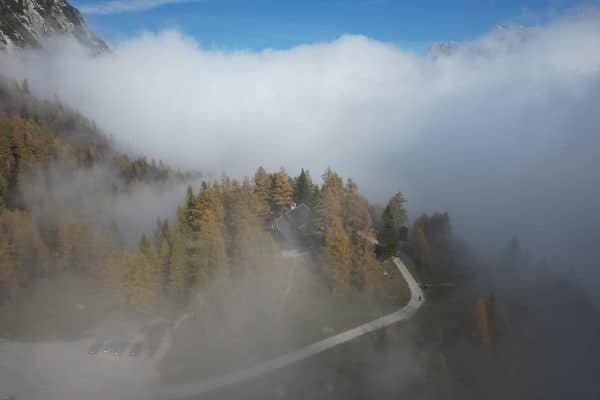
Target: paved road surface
[[196, 388]]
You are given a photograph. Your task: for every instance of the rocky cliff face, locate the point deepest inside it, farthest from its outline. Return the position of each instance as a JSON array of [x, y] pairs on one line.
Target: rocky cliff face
[[25, 23]]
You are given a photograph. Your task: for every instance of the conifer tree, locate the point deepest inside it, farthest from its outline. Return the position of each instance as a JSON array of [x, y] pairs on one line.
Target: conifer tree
[[357, 222], [209, 256], [282, 192], [418, 236], [262, 189], [480, 332], [27, 242], [337, 254], [147, 276], [355, 209], [250, 197], [262, 182], [179, 273], [387, 236], [163, 263], [116, 276], [142, 296], [211, 198], [25, 87], [303, 188], [144, 244], [497, 317], [160, 232], [362, 261], [9, 271], [392, 219], [328, 204]]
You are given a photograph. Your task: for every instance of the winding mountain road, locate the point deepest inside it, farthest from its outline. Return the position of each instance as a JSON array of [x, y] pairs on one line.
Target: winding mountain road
[[195, 388]]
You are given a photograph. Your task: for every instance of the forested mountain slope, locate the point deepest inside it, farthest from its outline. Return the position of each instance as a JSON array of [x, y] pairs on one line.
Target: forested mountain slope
[[45, 147]]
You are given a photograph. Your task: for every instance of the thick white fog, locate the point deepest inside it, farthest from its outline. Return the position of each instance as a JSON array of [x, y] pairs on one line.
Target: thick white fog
[[503, 132]]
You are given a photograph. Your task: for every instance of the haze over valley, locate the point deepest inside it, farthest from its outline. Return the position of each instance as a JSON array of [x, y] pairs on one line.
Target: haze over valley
[[344, 216]]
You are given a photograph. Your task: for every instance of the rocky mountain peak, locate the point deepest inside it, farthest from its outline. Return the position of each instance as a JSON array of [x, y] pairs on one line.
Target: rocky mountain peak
[[26, 23]]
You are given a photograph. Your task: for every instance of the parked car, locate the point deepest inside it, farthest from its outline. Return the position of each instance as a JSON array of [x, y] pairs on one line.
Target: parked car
[[107, 346], [93, 349], [136, 349], [6, 397], [119, 348]]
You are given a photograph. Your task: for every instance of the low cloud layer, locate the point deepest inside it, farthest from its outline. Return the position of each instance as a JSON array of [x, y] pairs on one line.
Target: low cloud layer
[[503, 132]]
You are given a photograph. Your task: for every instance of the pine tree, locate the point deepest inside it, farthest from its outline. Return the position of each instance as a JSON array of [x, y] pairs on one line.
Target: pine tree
[[116, 276], [142, 295], [253, 202], [357, 222], [328, 205], [418, 235], [282, 192], [387, 237], [179, 273], [497, 317], [148, 276], [303, 188], [208, 256], [480, 331], [163, 263], [10, 271], [397, 209], [27, 242], [262, 182], [355, 209], [363, 261], [211, 198], [160, 232], [144, 244], [392, 219], [262, 189], [189, 200], [337, 254], [513, 256]]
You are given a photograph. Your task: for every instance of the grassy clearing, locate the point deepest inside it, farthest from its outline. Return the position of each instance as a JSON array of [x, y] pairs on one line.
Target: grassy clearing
[[391, 290]]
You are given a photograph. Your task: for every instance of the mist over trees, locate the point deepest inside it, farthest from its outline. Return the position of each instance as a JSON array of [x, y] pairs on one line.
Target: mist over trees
[[449, 130], [38, 141], [219, 234], [483, 317]]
